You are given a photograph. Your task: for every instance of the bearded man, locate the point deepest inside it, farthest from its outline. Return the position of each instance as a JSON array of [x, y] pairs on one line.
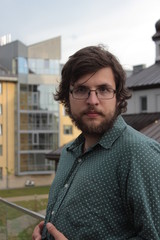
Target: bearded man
[[107, 185]]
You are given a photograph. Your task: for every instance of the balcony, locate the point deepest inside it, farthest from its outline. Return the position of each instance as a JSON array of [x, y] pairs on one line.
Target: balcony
[[17, 222]]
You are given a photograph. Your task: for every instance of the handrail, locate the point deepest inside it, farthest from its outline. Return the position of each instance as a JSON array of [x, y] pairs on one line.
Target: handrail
[[25, 210]]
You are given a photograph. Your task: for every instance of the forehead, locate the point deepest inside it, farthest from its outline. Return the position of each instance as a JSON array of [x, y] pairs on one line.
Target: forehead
[[101, 77]]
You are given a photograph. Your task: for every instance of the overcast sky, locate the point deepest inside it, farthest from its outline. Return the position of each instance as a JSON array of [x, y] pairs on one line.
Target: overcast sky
[[125, 27]]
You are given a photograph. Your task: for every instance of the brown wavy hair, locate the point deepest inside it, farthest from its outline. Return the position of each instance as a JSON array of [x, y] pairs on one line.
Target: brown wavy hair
[[86, 61]]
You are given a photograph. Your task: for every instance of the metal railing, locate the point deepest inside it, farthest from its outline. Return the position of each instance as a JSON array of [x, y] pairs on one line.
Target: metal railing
[[17, 222]]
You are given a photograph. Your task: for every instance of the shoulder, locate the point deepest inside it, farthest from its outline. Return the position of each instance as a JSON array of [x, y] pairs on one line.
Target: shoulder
[[136, 139], [138, 150], [134, 148]]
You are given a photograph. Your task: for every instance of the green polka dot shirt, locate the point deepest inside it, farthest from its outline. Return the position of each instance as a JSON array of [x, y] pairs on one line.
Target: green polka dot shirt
[[110, 192]]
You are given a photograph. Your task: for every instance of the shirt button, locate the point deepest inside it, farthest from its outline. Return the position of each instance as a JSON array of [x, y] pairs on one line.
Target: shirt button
[[66, 185], [79, 160], [52, 212]]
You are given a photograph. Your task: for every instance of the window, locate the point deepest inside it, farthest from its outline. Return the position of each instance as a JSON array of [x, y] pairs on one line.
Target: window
[[22, 65], [158, 103], [1, 173], [0, 150], [46, 63], [35, 138], [143, 104], [67, 129], [34, 98], [0, 129], [0, 88], [44, 66], [0, 109]]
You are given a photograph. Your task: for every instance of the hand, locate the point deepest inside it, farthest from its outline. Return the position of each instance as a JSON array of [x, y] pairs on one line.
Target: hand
[[37, 231], [54, 232]]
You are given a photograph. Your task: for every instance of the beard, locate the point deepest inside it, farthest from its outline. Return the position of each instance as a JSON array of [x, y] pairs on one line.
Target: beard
[[92, 128]]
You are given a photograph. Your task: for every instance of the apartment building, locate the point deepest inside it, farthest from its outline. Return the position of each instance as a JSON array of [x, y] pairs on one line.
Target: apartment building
[[29, 120], [7, 126]]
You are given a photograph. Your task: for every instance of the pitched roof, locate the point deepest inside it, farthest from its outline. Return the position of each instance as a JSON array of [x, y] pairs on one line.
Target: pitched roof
[[141, 120], [153, 130], [54, 154], [149, 77], [146, 123]]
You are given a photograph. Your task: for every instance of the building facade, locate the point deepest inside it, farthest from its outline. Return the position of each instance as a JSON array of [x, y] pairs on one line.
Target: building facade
[[36, 115], [145, 84], [143, 111], [7, 127], [67, 130]]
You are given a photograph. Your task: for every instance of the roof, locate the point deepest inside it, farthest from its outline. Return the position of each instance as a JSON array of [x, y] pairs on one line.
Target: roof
[[153, 130], [141, 120], [147, 78], [54, 154], [146, 123]]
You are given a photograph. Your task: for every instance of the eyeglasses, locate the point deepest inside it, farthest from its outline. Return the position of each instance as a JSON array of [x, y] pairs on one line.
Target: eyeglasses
[[102, 92]]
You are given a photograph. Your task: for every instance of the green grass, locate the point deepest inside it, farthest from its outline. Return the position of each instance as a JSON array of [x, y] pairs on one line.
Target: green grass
[[12, 213], [34, 205], [9, 213], [24, 191], [25, 234]]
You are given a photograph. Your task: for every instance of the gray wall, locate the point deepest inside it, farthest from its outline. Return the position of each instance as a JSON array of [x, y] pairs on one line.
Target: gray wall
[[10, 51], [153, 100]]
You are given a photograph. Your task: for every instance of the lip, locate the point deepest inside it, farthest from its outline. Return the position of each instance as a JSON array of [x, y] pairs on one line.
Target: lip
[[92, 114]]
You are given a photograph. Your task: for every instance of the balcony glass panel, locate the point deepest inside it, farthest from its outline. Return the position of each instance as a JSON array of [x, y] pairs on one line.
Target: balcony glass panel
[[17, 222]]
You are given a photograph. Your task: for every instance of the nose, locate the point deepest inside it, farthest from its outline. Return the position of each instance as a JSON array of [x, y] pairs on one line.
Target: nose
[[92, 98]]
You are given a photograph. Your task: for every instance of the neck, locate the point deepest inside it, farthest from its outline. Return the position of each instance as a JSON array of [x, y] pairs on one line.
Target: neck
[[90, 141]]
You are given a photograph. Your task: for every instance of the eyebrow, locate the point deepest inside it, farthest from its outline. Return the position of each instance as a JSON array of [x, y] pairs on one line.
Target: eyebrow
[[97, 86]]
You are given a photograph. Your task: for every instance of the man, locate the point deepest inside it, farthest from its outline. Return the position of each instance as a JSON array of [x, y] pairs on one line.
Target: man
[[108, 181]]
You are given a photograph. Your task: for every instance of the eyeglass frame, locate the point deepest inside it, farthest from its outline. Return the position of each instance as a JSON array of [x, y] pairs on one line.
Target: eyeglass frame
[[92, 90]]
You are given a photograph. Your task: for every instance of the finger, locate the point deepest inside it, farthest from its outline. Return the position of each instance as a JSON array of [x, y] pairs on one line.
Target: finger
[[41, 224], [55, 233], [37, 231]]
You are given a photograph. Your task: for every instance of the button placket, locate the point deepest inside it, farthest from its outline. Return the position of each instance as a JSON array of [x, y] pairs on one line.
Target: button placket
[[65, 189], [52, 213], [79, 160], [66, 185]]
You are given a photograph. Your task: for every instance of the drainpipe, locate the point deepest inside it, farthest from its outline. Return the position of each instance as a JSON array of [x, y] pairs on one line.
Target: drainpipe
[[7, 135]]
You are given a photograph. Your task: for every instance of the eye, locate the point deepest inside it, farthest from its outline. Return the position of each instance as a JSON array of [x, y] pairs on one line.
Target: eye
[[103, 89], [81, 90]]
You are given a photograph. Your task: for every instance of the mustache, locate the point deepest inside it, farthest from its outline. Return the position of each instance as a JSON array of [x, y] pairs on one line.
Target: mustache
[[94, 110]]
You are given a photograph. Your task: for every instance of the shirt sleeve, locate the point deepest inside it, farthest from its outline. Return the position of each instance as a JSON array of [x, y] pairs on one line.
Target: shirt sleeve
[[143, 191]]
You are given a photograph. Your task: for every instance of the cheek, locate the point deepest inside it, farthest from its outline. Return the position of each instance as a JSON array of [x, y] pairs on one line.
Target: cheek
[[74, 106], [71, 105], [111, 105]]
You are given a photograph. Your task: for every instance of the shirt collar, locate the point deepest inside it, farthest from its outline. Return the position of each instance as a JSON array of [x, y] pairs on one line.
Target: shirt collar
[[114, 133], [107, 139], [76, 143]]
